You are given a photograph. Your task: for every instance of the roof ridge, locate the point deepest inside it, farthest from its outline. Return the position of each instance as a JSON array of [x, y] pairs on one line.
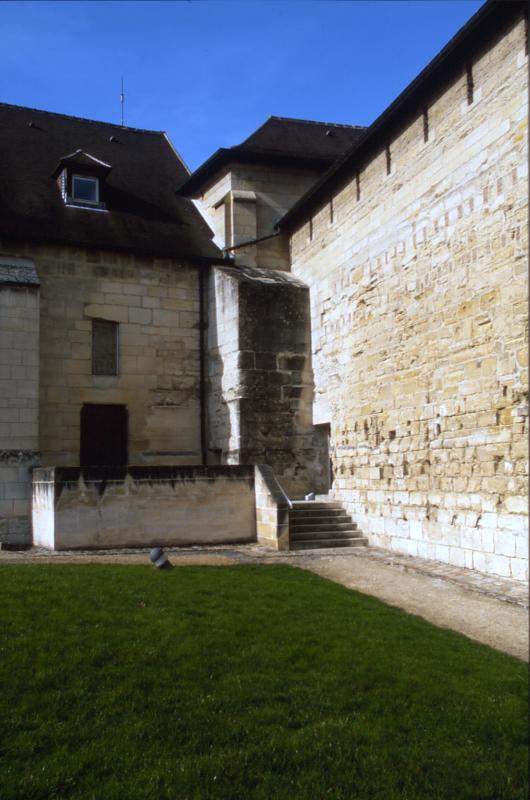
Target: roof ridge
[[318, 122], [81, 119]]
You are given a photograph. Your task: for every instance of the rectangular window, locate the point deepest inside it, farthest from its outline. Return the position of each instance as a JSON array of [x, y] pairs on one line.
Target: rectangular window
[[331, 210], [388, 160], [104, 347], [358, 185], [85, 190], [310, 229]]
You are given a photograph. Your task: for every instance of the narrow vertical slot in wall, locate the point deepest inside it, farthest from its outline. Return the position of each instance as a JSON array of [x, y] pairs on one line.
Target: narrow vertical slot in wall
[[425, 124], [469, 83]]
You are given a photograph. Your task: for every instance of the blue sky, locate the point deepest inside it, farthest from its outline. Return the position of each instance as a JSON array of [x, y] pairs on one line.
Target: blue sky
[[209, 73]]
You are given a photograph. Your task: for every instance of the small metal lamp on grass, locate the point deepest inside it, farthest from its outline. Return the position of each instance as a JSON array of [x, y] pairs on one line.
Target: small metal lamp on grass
[[159, 558]]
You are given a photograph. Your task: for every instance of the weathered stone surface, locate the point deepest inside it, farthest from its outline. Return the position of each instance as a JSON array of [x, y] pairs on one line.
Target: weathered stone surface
[[235, 220], [419, 323], [156, 304], [260, 379], [19, 386], [146, 506]]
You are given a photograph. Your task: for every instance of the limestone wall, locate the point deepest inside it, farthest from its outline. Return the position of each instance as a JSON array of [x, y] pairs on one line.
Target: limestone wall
[[142, 507], [276, 190], [156, 303], [19, 374], [272, 510], [259, 370], [419, 324]]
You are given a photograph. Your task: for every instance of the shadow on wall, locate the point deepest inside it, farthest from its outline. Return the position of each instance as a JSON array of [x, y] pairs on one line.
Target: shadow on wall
[[260, 374], [222, 355]]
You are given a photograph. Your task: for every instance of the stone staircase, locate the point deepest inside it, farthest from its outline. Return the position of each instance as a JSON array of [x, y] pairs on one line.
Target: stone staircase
[[318, 524]]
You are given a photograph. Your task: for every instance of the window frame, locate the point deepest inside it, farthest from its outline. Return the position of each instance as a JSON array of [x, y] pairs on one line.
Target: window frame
[[85, 178], [116, 348]]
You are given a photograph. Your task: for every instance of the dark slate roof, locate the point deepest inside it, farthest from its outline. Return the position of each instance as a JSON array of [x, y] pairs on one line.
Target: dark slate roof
[[302, 138], [281, 140], [145, 215], [18, 272], [486, 25]]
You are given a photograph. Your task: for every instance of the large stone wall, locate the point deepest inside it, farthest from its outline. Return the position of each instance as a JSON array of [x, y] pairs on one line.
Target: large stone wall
[[259, 373], [19, 382], [419, 318], [142, 506], [156, 303]]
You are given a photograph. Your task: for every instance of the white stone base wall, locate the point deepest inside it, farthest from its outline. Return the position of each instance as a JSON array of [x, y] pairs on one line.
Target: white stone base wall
[[143, 507], [462, 530]]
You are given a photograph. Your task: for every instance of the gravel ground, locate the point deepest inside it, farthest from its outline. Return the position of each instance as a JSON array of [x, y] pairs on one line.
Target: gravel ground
[[503, 625]]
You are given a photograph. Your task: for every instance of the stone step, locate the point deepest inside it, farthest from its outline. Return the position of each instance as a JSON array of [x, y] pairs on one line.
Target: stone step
[[324, 524], [316, 516], [351, 532], [317, 512], [303, 504], [319, 544]]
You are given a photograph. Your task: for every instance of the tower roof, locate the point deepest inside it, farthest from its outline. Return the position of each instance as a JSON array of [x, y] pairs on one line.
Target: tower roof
[[280, 140]]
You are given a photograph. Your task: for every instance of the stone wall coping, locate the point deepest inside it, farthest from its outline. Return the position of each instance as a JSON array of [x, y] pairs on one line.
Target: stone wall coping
[[273, 486], [142, 474]]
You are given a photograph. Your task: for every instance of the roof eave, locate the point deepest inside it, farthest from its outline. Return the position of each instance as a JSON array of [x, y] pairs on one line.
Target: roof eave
[[133, 250]]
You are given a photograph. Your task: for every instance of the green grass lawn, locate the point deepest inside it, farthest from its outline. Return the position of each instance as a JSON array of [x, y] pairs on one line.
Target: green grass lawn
[[121, 682]]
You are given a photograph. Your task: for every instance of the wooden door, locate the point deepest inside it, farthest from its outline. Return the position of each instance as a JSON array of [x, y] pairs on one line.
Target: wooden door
[[103, 435]]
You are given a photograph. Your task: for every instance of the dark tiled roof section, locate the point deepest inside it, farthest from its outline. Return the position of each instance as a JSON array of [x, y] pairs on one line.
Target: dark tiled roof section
[[302, 138], [280, 140], [18, 274], [145, 215], [486, 25]]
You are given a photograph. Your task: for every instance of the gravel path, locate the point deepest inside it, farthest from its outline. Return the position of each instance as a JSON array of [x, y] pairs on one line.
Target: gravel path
[[486, 619]]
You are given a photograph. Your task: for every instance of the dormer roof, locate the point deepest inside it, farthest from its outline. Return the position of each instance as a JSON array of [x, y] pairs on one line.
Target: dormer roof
[[145, 214], [81, 160]]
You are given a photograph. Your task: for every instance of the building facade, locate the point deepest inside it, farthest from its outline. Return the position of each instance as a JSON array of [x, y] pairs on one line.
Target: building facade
[[346, 306]]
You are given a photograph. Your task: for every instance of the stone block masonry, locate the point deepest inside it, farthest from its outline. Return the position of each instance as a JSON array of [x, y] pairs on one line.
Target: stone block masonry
[[419, 324], [156, 305], [260, 378], [19, 382], [235, 220], [272, 510]]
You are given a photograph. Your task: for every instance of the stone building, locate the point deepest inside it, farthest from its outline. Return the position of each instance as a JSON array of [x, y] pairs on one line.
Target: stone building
[[101, 268], [320, 308]]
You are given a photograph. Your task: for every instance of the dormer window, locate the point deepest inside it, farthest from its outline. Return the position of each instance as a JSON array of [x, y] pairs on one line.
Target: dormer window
[[85, 189], [82, 180]]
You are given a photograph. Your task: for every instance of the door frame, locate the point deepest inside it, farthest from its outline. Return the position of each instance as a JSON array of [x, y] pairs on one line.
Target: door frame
[[82, 447]]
